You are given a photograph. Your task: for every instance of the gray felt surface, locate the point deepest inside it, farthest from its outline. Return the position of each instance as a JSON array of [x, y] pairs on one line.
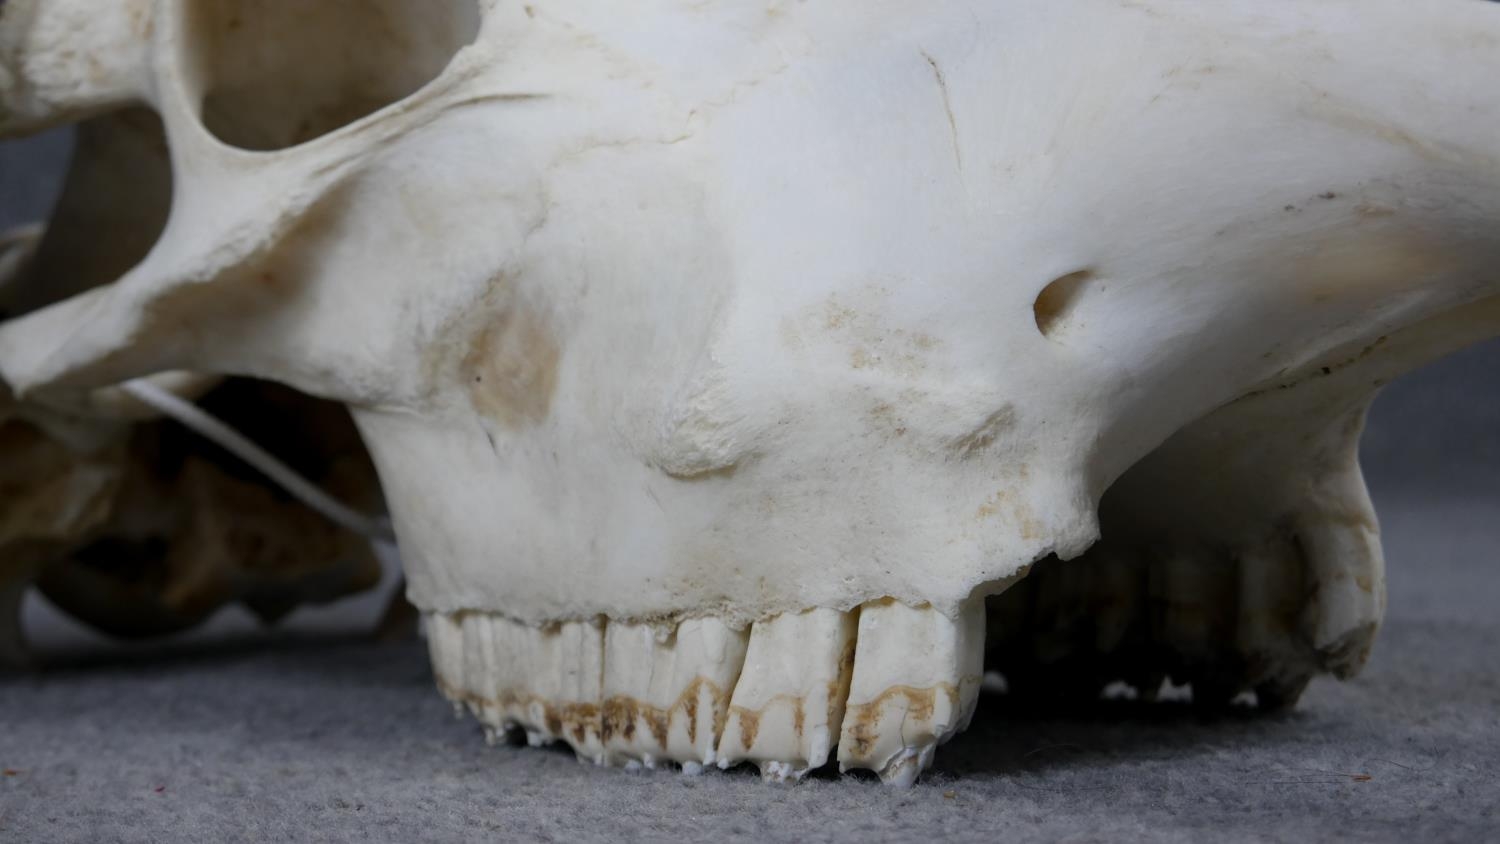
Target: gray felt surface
[[315, 733]]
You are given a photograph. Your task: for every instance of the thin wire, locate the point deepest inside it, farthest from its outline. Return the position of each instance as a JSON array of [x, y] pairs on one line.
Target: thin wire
[[194, 418]]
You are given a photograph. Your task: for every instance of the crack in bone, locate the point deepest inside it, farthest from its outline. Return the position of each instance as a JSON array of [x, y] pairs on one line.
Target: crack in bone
[[942, 83]]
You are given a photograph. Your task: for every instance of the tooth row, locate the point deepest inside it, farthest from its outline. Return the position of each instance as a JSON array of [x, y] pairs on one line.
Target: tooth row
[[1262, 615], [885, 683]]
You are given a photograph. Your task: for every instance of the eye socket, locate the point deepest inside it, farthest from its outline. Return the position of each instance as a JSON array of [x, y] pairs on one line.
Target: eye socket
[[278, 73]]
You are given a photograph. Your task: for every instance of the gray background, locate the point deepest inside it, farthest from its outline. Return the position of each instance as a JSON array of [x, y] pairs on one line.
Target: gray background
[[314, 732]]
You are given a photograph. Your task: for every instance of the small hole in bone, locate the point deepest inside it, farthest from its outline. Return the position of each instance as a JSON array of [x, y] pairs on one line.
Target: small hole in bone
[[278, 73], [1057, 299]]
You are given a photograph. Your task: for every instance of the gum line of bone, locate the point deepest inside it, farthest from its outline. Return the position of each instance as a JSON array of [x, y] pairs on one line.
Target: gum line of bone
[[885, 683]]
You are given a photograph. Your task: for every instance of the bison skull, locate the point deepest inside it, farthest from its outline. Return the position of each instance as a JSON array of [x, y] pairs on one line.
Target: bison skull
[[721, 361]]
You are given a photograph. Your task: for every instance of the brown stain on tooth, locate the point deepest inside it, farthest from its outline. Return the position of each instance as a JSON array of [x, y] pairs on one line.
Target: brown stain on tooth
[[749, 726], [838, 689], [862, 721], [618, 716], [578, 721], [618, 719], [690, 709], [656, 720]]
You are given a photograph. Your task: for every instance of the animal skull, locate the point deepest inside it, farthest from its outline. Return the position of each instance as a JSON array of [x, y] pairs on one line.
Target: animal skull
[[724, 363]]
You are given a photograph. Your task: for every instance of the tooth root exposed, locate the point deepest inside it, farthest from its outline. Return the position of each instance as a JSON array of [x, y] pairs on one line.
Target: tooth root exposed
[[916, 681], [789, 702], [547, 680], [666, 699]]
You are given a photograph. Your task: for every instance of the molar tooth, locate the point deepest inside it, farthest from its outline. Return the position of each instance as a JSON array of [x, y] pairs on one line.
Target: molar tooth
[[1271, 593], [665, 696], [545, 679], [1059, 612], [1346, 570], [916, 680], [1194, 590], [1115, 598], [445, 647], [789, 702]]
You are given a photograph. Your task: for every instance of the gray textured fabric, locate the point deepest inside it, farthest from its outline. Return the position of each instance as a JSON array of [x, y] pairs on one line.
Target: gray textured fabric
[[314, 734]]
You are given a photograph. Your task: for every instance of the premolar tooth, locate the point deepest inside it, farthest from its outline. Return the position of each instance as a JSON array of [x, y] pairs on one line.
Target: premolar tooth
[[1271, 593], [544, 679], [1193, 592], [916, 680], [1116, 585], [1346, 570], [665, 696], [789, 702]]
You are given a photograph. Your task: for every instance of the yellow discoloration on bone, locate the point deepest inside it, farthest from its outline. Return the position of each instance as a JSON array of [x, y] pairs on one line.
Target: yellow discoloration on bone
[[1377, 263], [986, 433], [1005, 503], [510, 371], [860, 326]]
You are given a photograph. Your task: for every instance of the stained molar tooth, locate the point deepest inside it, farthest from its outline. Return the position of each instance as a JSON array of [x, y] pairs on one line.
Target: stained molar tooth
[[916, 681], [789, 702], [665, 696], [547, 680], [1115, 588], [1194, 604], [1346, 570], [1271, 594]]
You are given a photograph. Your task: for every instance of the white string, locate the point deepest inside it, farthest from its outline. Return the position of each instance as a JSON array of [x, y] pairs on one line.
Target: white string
[[194, 418]]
